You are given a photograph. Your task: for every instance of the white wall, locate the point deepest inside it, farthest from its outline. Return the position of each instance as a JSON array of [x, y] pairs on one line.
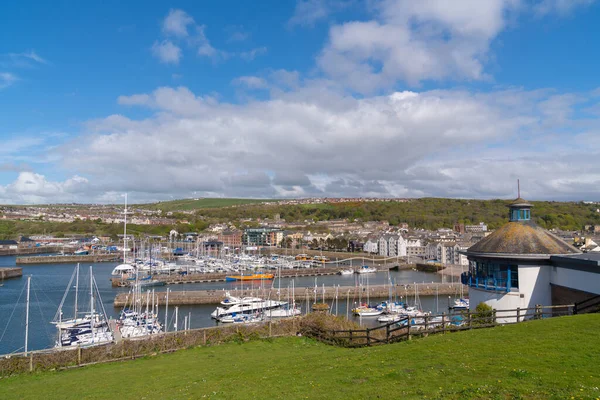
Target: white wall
[[579, 280], [534, 284], [496, 300]]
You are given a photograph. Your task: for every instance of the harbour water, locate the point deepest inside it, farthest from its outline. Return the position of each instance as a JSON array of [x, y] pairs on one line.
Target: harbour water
[[49, 281]]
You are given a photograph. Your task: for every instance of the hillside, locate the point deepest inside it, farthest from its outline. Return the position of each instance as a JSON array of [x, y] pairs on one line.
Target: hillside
[[195, 204], [553, 358], [428, 213]]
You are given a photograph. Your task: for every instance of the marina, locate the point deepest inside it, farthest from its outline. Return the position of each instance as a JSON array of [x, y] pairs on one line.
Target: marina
[[48, 282], [301, 294]]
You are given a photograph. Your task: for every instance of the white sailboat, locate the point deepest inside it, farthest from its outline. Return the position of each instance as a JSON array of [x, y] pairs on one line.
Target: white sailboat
[[90, 329]]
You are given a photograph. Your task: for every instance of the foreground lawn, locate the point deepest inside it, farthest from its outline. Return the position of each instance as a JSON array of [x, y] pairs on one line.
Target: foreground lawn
[[556, 358]]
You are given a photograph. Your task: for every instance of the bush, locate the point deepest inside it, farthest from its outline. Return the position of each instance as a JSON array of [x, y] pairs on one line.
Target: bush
[[484, 315]]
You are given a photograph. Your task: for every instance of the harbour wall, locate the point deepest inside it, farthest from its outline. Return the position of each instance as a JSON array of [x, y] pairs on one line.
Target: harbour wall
[[302, 294], [30, 250], [8, 273], [70, 259], [176, 279]]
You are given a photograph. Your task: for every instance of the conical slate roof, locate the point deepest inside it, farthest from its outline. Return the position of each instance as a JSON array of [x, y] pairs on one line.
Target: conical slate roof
[[522, 238]]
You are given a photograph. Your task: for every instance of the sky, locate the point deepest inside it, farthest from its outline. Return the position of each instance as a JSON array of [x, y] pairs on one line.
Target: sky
[[307, 98]]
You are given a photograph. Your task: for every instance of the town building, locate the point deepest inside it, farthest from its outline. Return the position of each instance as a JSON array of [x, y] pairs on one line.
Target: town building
[[230, 239], [262, 237]]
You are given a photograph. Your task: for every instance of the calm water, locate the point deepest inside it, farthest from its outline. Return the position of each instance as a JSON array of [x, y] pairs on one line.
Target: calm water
[[49, 281]]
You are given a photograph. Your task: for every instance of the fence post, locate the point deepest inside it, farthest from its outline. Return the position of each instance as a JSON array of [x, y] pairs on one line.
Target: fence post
[[269, 328], [538, 311], [408, 330], [204, 339], [444, 322], [494, 316], [469, 319], [518, 314], [368, 337], [350, 337], [426, 322], [387, 333], [31, 362], [78, 355]]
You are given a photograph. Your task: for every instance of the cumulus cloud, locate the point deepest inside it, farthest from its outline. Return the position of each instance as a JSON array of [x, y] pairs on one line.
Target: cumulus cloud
[[176, 23], [402, 144], [414, 41], [251, 82], [167, 52], [30, 187]]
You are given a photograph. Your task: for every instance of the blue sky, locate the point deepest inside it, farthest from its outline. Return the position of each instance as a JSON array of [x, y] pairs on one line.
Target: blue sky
[[298, 98]]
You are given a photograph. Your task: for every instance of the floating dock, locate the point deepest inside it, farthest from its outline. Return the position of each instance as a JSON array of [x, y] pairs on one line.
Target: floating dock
[[69, 259], [195, 297], [8, 273]]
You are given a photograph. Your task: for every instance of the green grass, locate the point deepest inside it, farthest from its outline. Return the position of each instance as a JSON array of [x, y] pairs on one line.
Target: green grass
[[555, 358], [192, 204]]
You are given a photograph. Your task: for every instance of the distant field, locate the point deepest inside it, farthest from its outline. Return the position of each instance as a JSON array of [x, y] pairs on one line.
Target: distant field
[[192, 204], [545, 359]]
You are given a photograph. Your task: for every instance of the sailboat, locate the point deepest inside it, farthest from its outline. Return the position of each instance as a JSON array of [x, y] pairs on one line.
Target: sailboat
[[365, 310], [125, 268], [88, 330]]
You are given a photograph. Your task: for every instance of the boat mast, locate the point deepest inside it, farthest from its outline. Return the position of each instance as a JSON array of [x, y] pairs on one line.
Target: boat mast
[[125, 228], [76, 290], [167, 312], [92, 303], [27, 315]]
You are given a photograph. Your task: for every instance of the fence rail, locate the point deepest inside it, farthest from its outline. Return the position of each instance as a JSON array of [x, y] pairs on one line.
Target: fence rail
[[408, 327]]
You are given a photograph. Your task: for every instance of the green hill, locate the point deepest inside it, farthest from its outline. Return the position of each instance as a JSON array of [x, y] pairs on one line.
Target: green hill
[[553, 358], [195, 204]]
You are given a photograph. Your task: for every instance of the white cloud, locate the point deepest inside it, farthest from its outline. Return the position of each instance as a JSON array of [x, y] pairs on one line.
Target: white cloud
[[415, 41], [251, 54], [7, 79], [176, 23], [34, 188], [406, 143], [167, 52], [251, 82]]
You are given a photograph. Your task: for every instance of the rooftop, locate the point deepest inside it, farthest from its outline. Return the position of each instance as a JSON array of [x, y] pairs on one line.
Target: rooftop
[[522, 238]]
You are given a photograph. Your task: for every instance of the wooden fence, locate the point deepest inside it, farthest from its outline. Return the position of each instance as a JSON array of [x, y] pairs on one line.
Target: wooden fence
[[408, 327]]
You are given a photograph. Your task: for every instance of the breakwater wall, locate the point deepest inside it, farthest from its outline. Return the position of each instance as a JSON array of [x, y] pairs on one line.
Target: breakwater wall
[[70, 259], [176, 279], [7, 273], [30, 250], [302, 294]]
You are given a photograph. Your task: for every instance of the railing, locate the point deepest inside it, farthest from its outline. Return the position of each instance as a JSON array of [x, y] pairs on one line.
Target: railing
[[389, 333], [408, 327], [501, 283]]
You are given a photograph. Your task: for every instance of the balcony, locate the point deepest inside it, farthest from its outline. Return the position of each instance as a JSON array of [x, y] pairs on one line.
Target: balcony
[[500, 283]]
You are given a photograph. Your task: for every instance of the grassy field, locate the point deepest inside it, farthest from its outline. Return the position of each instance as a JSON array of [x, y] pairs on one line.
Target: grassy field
[[556, 358], [193, 204]]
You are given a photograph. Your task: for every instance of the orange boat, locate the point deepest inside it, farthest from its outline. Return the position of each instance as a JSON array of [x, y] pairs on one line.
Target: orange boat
[[252, 277]]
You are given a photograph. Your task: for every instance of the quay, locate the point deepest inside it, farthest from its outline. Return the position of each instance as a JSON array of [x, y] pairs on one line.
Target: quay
[[30, 250], [69, 259], [195, 297], [8, 273], [176, 279]]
